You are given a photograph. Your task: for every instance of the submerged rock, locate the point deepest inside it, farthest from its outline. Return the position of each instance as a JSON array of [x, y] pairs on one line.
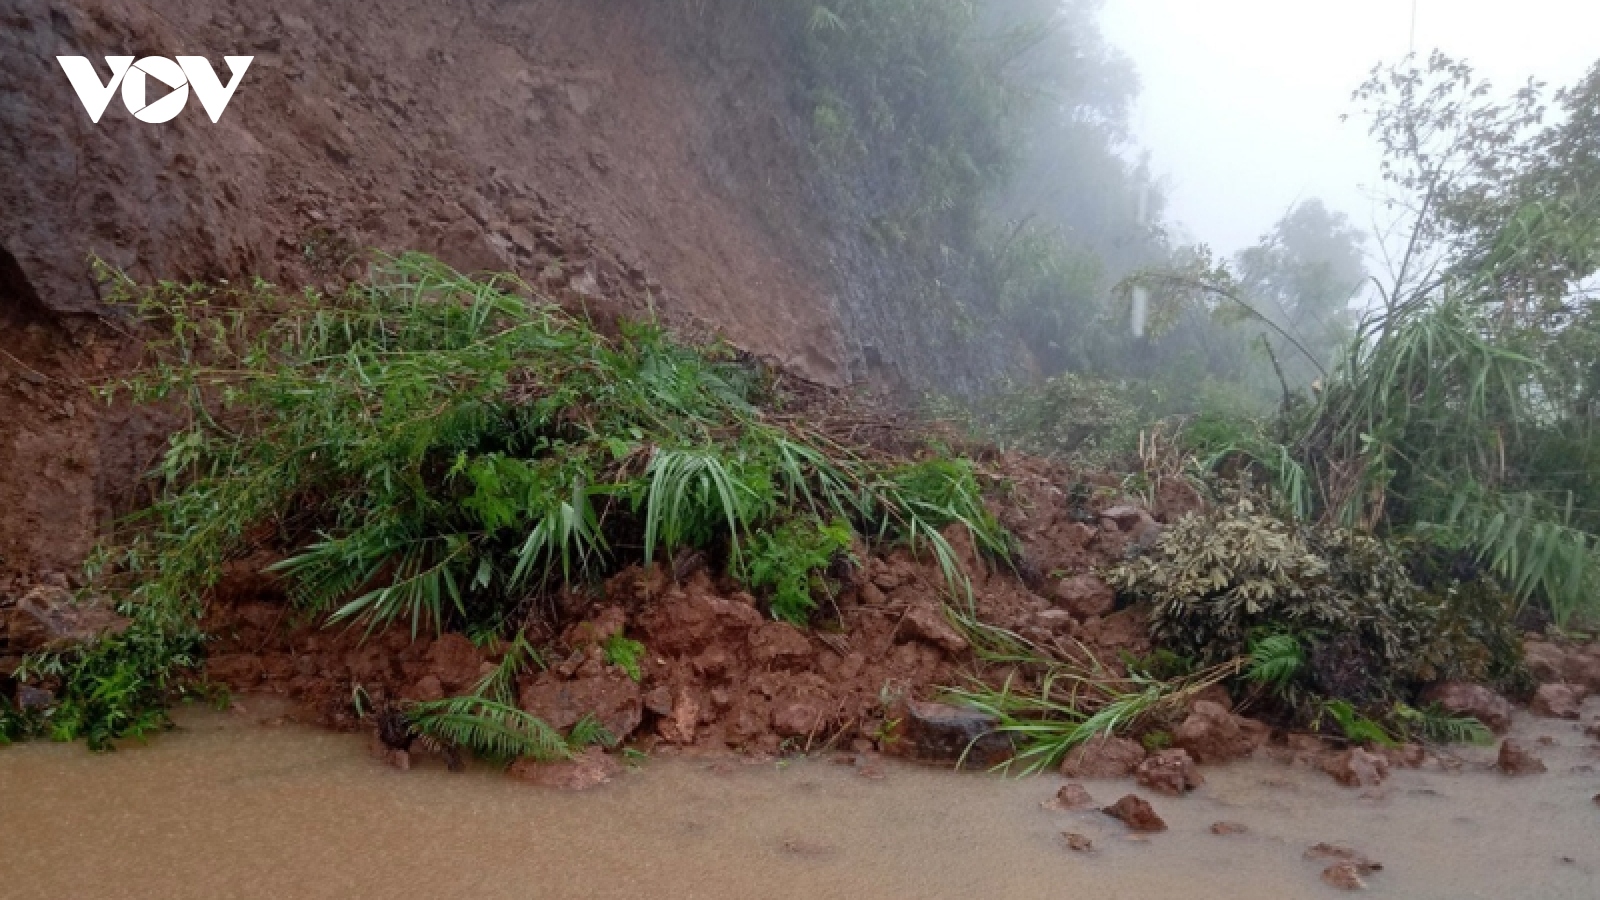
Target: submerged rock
[[1136, 813], [1170, 772], [1516, 759], [1071, 797], [1078, 842], [590, 769], [1344, 877], [1357, 768]]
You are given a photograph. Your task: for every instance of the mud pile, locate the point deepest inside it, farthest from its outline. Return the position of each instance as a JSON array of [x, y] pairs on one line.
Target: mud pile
[[716, 674]]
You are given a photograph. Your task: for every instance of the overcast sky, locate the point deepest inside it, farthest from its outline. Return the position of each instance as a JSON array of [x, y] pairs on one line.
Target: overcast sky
[[1242, 98]]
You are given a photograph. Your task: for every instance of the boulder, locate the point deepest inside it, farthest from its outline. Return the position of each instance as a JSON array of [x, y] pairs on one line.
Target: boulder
[[1516, 759], [1170, 772], [1356, 767], [1559, 701], [1212, 735], [1462, 699], [1103, 757], [1086, 596], [1136, 813], [939, 733], [1124, 517]]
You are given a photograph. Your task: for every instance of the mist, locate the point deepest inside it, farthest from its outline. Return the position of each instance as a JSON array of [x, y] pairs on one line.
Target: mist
[[1241, 100]]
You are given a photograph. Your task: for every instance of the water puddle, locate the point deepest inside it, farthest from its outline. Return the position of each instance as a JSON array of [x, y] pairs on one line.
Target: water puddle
[[230, 808]]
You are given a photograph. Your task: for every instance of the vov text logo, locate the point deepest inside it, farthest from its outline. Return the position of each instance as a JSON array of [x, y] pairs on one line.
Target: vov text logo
[[134, 77]]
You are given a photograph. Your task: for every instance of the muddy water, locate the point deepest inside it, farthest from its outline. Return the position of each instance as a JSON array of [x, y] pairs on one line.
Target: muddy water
[[229, 808]]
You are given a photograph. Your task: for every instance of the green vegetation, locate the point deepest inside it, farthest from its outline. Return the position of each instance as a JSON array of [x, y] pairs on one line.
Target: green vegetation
[[787, 564], [435, 451]]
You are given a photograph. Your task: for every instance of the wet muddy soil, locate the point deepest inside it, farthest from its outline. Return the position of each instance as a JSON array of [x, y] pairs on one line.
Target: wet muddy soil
[[234, 806]]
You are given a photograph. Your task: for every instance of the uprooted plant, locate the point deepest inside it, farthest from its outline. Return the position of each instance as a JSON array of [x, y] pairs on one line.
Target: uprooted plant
[[438, 451]]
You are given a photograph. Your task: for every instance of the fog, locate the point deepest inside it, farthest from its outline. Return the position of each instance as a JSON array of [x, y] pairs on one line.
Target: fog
[[1241, 100]]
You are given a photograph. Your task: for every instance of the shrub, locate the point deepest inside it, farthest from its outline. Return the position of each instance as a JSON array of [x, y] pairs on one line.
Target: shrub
[[1216, 580]]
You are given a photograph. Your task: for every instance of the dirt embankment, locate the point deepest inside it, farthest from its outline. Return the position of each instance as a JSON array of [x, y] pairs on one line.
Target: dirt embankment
[[625, 157]]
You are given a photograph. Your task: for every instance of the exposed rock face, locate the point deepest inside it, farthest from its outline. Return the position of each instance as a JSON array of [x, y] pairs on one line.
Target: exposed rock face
[[935, 732], [1462, 699], [1136, 813], [1086, 595], [1516, 759], [1559, 701], [1356, 767], [1170, 772], [1211, 734], [1103, 757]]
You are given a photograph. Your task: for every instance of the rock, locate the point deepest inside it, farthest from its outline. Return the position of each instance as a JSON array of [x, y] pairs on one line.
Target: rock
[[797, 719], [1078, 842], [1086, 595], [1356, 767], [1125, 518], [1071, 797], [1170, 772], [590, 769], [606, 624], [1597, 799], [779, 643], [936, 732], [427, 689], [1344, 855], [1516, 759], [1343, 876], [34, 698], [612, 699], [1462, 699], [1212, 735], [454, 661], [1136, 813], [48, 617], [1410, 756], [923, 622], [1228, 828], [1103, 757], [679, 726], [1559, 701], [1546, 661]]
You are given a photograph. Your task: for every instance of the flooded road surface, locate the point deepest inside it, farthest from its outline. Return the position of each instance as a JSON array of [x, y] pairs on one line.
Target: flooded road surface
[[230, 808]]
